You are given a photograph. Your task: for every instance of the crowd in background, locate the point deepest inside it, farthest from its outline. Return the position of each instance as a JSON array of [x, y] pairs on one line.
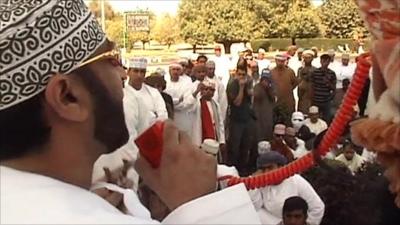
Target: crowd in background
[[256, 115]]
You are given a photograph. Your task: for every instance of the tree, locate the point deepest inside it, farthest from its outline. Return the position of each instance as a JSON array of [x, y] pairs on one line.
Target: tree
[[301, 21], [115, 30], [271, 17], [95, 7], [231, 24], [193, 26], [340, 18], [166, 30], [224, 22]]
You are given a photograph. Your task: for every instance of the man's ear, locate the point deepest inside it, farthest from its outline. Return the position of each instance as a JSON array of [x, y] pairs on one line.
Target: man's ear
[[68, 98]]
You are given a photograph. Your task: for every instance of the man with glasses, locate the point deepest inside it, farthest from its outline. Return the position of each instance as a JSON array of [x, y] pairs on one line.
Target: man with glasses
[[278, 144], [208, 121], [61, 107]]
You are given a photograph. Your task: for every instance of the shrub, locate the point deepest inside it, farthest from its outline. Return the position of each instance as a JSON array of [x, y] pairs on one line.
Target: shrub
[[271, 44]]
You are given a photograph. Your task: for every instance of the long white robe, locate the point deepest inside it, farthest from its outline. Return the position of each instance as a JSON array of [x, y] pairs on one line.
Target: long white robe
[[344, 72], [153, 102], [220, 97], [269, 200], [217, 119], [222, 65], [28, 198], [137, 119], [181, 90], [263, 64]]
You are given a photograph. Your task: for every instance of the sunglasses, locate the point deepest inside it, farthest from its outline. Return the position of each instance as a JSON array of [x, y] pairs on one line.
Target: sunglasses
[[113, 56]]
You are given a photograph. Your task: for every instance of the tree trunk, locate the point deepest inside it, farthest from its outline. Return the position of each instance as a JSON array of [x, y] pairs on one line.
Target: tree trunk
[[143, 44], [227, 46], [293, 41], [194, 48], [169, 45]]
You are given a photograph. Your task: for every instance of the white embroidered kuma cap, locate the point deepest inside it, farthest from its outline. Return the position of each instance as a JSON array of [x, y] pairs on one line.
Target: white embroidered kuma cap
[[138, 63], [39, 39]]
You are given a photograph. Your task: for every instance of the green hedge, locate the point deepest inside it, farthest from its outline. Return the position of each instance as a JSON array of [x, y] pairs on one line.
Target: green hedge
[[321, 43], [271, 44], [324, 43]]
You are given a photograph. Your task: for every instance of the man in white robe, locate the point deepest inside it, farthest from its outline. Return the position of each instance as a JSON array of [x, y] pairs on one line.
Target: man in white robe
[[350, 157], [222, 65], [214, 110], [262, 62], [220, 93], [52, 134], [313, 122], [296, 145], [180, 92], [269, 200], [345, 70], [185, 77], [137, 119], [151, 97]]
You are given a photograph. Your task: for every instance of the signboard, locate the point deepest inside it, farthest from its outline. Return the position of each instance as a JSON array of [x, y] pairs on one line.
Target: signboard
[[137, 22]]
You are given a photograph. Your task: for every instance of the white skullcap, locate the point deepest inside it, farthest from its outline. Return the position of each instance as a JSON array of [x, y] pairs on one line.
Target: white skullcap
[[39, 39], [280, 57], [209, 83], [309, 52], [313, 109], [263, 147], [261, 51], [138, 63], [176, 65], [210, 146], [345, 56], [298, 115], [331, 52], [210, 63], [279, 129]]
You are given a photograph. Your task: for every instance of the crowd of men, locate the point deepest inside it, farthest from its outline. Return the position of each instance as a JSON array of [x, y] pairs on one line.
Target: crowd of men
[[70, 113], [246, 114]]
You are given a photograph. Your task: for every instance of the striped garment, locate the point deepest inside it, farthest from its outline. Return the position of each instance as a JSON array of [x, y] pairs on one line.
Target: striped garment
[[324, 85]]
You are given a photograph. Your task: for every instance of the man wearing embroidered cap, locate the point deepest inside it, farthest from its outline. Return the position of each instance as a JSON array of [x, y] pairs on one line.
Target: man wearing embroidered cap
[[208, 121], [180, 91], [285, 81], [151, 97], [61, 107], [313, 121], [304, 91]]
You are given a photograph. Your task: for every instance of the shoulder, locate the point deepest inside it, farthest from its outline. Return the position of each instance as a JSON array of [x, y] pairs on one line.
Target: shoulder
[[322, 122], [331, 72], [151, 89]]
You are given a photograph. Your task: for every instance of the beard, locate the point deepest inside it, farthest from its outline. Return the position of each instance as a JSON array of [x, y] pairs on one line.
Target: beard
[[110, 127]]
